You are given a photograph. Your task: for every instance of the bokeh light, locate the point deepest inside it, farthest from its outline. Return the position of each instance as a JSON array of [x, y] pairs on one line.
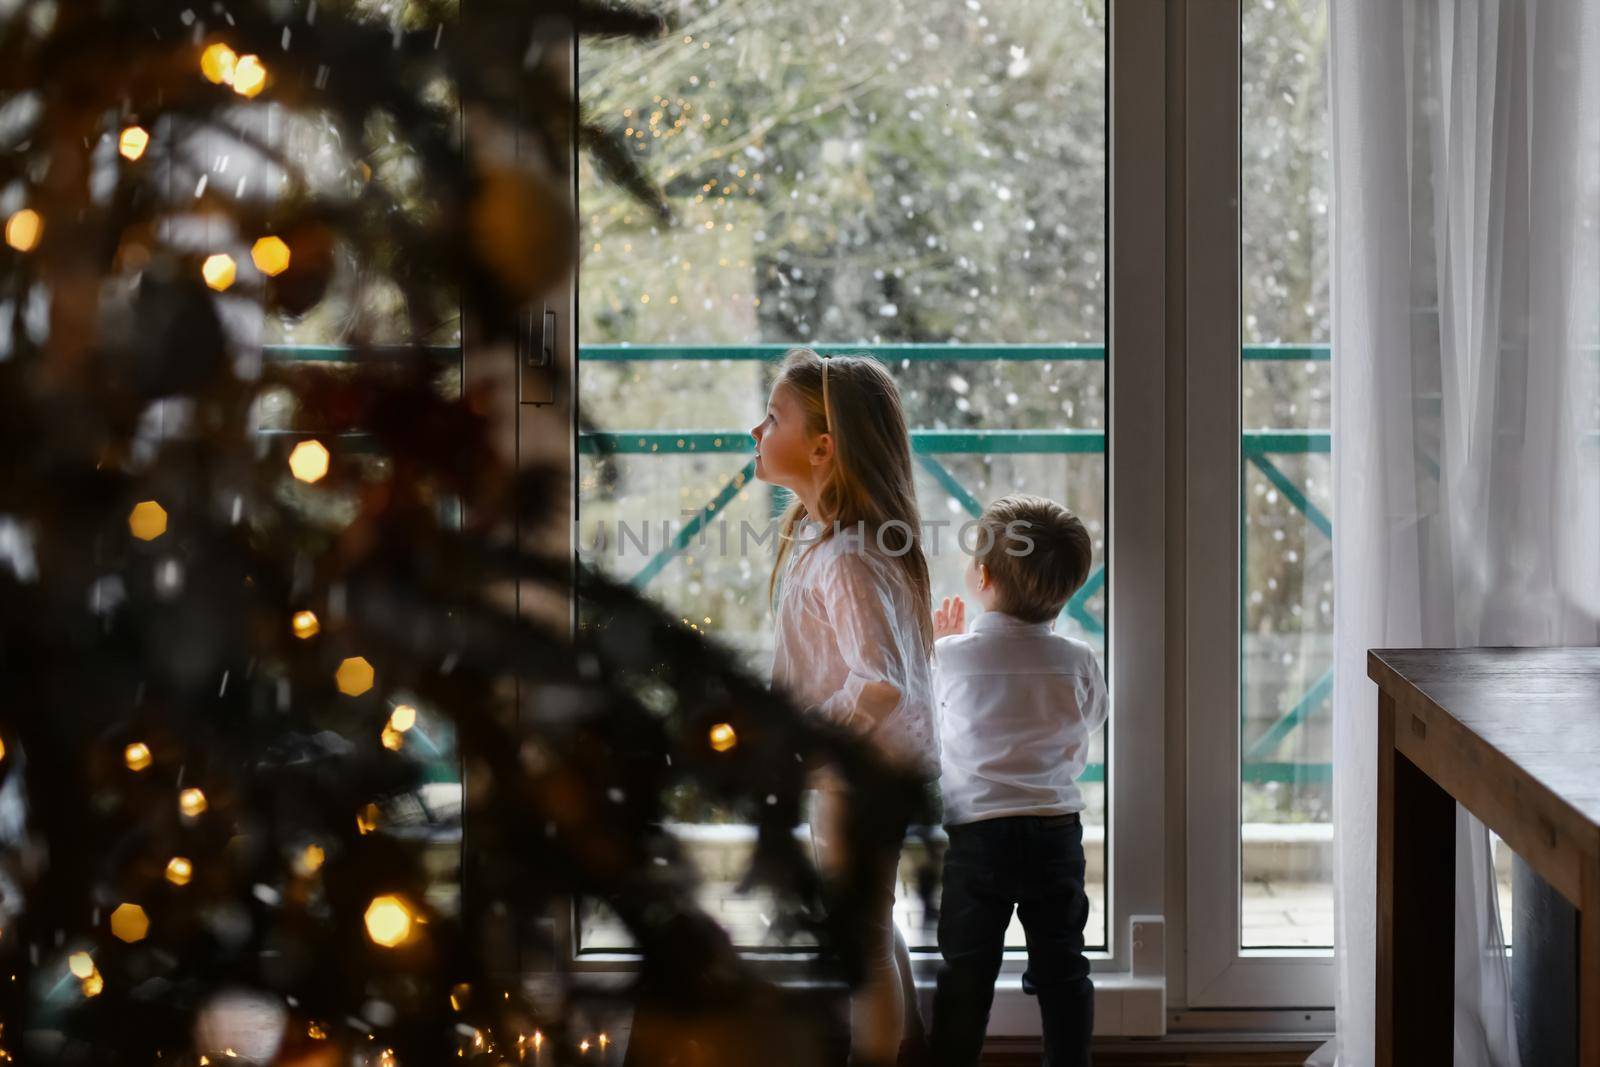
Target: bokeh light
[[23, 230], [219, 271], [270, 255], [310, 860], [129, 923], [133, 142], [249, 76], [148, 520], [722, 737], [354, 676], [218, 63], [388, 920], [192, 802], [309, 461]]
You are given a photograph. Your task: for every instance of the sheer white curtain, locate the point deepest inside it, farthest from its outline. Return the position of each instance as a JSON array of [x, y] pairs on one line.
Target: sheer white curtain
[[1466, 315]]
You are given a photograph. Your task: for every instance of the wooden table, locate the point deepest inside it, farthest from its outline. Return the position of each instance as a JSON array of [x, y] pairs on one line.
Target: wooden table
[[1514, 736]]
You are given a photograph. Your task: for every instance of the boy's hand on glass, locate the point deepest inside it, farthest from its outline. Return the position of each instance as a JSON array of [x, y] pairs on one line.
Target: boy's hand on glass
[[949, 618]]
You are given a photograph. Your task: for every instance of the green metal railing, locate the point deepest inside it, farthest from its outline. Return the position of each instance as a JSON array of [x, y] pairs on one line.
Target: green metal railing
[[1258, 448]]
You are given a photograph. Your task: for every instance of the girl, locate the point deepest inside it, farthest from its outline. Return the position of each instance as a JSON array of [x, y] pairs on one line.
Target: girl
[[854, 627]]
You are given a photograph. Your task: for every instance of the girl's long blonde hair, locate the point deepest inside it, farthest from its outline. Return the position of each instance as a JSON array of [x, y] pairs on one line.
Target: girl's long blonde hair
[[853, 399]]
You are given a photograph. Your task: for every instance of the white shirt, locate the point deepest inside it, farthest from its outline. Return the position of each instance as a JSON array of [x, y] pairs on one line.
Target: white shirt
[[1018, 704], [847, 618]]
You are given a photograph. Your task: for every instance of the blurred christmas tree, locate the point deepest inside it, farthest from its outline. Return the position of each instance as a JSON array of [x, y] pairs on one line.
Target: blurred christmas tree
[[223, 652]]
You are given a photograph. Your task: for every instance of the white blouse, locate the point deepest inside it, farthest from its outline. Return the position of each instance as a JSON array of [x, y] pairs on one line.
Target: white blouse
[[849, 645]]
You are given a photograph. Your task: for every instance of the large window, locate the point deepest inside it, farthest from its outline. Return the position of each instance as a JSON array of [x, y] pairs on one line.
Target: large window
[[925, 182]]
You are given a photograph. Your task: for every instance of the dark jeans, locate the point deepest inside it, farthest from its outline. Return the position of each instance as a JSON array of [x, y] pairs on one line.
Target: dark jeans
[[1035, 864]]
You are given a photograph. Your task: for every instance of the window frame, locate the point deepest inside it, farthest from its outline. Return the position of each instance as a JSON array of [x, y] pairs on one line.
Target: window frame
[[1172, 551], [1219, 973]]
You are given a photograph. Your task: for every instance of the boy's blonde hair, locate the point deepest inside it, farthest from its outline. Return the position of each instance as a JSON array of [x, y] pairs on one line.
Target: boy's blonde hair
[[1037, 553], [854, 399]]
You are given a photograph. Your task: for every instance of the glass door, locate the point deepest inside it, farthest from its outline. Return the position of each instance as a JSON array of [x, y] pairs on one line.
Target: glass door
[[923, 182]]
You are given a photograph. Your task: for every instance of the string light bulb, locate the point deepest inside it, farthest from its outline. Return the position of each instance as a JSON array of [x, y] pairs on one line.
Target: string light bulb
[[270, 255], [179, 870], [192, 802], [249, 76], [23, 230], [218, 63], [723, 737], [310, 859], [388, 920], [129, 923], [133, 142], [219, 271], [148, 520], [81, 964], [305, 624], [392, 739], [136, 756], [354, 676], [309, 461], [403, 718]]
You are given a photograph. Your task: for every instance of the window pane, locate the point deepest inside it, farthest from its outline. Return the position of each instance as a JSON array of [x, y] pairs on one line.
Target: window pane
[[866, 178], [1286, 552]]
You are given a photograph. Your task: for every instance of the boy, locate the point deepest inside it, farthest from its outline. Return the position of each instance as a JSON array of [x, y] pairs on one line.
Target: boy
[[1018, 705]]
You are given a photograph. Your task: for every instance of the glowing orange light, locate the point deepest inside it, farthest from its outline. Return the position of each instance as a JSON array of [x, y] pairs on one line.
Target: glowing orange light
[[136, 756], [722, 737], [270, 255], [367, 819], [249, 76], [392, 739], [134, 140], [354, 676], [218, 64], [305, 624], [191, 802], [148, 520], [388, 920], [310, 859], [403, 718], [219, 271], [23, 230], [309, 461], [129, 923], [179, 870], [81, 964]]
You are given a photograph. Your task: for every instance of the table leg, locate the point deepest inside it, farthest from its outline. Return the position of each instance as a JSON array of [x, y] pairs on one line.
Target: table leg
[[1416, 904], [1589, 970]]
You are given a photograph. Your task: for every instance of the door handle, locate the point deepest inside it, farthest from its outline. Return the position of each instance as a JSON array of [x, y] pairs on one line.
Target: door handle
[[538, 349]]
